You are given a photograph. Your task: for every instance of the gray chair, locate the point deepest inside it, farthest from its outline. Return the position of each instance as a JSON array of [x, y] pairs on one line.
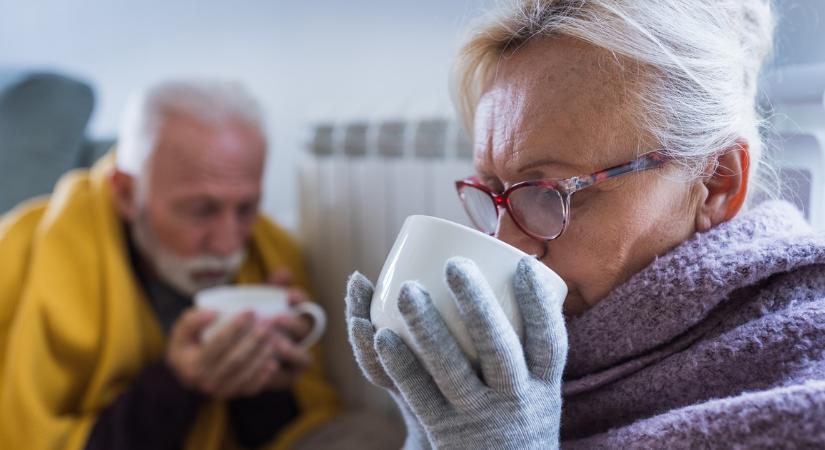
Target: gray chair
[[43, 118]]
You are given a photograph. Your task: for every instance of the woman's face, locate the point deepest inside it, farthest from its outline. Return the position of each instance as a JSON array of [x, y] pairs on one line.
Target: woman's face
[[560, 108]]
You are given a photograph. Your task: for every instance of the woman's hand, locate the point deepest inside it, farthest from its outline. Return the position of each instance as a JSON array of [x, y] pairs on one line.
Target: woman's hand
[[362, 339], [516, 402]]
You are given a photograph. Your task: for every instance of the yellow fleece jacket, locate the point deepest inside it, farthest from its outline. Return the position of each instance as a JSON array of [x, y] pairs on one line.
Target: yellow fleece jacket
[[75, 328]]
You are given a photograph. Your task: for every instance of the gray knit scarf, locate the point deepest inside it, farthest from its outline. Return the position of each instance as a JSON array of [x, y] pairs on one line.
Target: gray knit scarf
[[718, 344]]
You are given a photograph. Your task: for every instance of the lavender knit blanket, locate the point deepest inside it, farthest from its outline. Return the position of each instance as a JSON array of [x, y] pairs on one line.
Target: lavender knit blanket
[[718, 344]]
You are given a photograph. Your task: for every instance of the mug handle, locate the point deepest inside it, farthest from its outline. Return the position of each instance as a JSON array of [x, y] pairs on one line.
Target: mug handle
[[319, 323]]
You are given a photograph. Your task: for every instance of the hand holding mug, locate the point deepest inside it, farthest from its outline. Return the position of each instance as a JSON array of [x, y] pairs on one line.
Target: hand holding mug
[[280, 312], [283, 307], [238, 361], [474, 349], [298, 326]]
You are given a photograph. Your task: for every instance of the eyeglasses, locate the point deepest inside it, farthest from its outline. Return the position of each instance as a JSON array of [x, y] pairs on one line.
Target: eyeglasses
[[540, 208]]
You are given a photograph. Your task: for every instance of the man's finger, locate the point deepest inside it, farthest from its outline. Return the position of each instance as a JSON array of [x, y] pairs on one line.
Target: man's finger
[[261, 379], [297, 295], [284, 377], [227, 337], [281, 276], [243, 380], [253, 345], [293, 325], [192, 323], [289, 353]]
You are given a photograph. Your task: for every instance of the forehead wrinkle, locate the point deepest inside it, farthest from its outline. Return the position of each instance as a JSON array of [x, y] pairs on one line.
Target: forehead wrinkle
[[483, 151], [508, 114], [562, 100]]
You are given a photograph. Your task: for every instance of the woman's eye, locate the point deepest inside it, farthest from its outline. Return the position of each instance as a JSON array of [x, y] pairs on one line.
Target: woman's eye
[[578, 199]]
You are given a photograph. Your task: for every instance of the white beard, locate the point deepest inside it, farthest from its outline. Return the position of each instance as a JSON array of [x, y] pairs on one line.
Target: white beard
[[179, 272]]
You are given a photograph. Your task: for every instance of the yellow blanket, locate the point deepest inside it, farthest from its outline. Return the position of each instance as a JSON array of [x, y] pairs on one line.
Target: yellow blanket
[[75, 328]]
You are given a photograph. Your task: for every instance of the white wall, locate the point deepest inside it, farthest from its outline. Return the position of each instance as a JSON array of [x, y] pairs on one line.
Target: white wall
[[801, 34], [306, 61]]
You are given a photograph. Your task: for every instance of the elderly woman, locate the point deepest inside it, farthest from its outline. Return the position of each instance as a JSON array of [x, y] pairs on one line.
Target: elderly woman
[[618, 140]]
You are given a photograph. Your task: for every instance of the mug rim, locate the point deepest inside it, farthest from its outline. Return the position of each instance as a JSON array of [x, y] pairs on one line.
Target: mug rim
[[222, 295], [485, 237]]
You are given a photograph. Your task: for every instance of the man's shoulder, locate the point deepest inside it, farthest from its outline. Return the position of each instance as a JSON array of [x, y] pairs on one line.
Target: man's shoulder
[[16, 230], [22, 219], [59, 229], [69, 201], [43, 243], [71, 204]]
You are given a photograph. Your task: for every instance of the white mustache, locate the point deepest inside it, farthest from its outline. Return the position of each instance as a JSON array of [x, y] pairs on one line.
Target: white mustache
[[209, 263]]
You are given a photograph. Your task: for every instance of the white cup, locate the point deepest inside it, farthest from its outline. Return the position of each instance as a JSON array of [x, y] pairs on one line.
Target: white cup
[[265, 301], [420, 253]]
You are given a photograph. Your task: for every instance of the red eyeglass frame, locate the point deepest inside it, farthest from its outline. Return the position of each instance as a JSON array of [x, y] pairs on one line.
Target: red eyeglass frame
[[564, 187]]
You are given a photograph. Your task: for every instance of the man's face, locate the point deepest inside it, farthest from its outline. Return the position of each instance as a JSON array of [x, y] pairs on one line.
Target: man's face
[[198, 200]]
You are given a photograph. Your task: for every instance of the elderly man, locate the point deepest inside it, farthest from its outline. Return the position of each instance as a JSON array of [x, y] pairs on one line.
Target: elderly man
[[101, 344]]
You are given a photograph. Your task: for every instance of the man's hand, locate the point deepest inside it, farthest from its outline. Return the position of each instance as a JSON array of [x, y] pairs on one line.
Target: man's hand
[[296, 327], [291, 363], [246, 356], [238, 361], [290, 330]]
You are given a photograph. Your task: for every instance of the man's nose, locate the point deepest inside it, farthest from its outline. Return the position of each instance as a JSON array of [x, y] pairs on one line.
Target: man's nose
[[225, 237], [509, 232]]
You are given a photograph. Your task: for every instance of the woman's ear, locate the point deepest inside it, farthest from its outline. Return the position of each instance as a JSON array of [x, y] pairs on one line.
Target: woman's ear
[[726, 187], [124, 192]]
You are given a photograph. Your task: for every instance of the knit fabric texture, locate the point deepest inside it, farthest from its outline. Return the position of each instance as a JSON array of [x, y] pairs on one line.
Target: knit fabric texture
[[720, 343]]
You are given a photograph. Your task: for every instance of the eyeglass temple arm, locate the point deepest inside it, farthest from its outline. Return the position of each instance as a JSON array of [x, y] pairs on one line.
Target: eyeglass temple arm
[[644, 162]]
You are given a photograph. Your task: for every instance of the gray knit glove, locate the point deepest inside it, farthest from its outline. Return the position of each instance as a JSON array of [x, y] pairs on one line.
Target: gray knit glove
[[516, 402], [362, 339]]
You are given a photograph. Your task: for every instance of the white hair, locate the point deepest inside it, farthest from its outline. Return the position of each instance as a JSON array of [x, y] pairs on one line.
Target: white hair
[[702, 58], [211, 102]]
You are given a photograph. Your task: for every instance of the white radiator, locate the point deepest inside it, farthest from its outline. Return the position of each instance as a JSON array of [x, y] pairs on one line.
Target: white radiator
[[356, 188]]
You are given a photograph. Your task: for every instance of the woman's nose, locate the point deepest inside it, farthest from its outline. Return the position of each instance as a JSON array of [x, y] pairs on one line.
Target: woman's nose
[[509, 232]]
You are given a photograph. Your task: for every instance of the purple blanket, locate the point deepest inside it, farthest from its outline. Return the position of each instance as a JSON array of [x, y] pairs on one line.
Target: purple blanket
[[718, 344]]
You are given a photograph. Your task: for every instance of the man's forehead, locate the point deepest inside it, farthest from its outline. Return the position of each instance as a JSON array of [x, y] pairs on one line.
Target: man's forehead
[[191, 153]]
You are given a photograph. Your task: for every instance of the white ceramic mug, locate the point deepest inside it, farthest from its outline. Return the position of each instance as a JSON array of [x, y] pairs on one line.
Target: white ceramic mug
[[420, 253], [265, 301]]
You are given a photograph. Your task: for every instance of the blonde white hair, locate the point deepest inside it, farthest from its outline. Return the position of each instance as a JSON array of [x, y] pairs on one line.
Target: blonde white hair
[[704, 58], [210, 101]]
